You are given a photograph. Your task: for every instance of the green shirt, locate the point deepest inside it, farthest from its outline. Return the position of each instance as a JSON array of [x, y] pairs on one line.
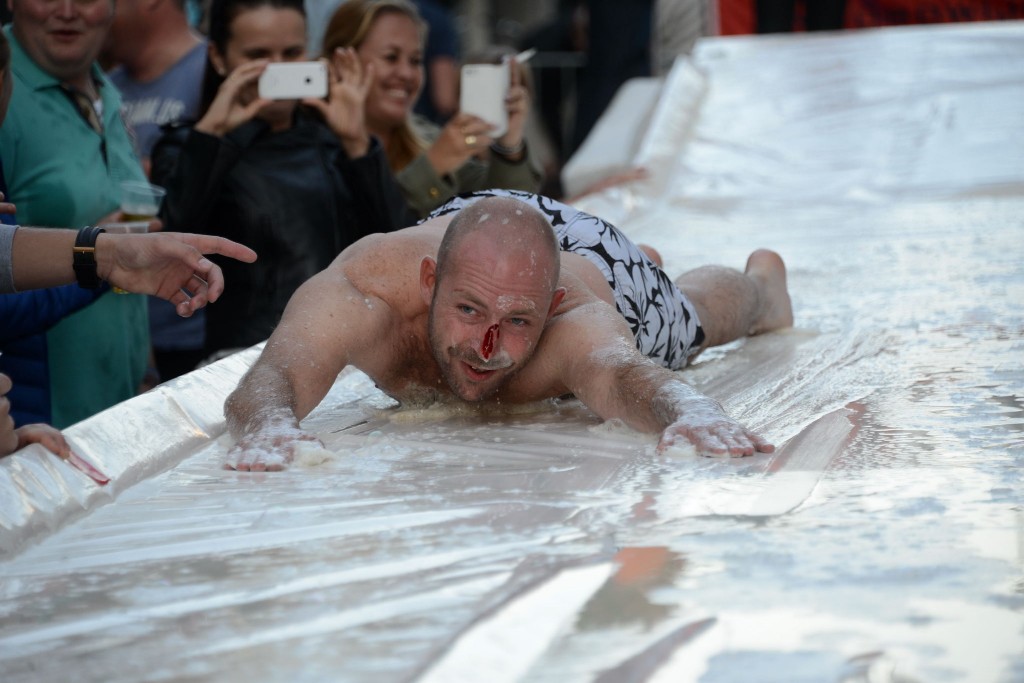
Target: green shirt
[[60, 172]]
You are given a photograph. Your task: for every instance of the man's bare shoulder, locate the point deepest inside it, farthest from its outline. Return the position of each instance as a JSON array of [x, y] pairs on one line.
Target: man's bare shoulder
[[583, 282], [585, 329], [387, 264]]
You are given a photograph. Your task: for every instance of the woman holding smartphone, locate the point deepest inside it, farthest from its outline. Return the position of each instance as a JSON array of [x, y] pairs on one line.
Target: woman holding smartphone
[[432, 164], [295, 181]]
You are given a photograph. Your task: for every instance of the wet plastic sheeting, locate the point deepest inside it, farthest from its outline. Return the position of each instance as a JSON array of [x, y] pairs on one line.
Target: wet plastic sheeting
[[884, 541]]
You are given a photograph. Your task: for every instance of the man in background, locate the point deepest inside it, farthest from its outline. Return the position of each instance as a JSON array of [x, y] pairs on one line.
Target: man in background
[[157, 62], [158, 65]]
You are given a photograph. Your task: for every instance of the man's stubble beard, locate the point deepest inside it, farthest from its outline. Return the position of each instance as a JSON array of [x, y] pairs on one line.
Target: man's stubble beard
[[447, 356]]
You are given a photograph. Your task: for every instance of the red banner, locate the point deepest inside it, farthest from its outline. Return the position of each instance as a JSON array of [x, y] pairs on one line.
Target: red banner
[[738, 16]]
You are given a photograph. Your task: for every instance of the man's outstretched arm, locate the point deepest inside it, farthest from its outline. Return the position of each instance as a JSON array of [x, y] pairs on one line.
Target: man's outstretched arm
[[683, 414], [326, 326], [608, 373], [261, 415]]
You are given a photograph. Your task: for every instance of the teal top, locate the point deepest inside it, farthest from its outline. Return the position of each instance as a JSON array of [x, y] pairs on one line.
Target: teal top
[[62, 173]]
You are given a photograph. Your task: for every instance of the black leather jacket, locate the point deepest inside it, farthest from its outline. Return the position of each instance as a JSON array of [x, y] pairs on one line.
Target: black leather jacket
[[293, 196]]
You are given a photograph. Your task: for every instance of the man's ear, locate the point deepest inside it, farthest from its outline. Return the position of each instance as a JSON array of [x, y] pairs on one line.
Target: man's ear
[[428, 279], [556, 299], [217, 60]]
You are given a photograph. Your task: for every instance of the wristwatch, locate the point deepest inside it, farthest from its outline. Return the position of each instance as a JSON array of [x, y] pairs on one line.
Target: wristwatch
[[85, 258]]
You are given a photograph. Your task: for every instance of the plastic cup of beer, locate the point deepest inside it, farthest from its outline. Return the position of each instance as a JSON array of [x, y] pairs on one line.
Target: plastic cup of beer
[[125, 227], [140, 201]]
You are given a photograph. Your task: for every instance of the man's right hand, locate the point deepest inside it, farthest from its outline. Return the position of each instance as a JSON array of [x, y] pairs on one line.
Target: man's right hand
[[8, 437], [270, 449]]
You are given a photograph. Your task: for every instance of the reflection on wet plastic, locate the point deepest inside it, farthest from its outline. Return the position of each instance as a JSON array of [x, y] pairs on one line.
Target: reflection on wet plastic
[[883, 541]]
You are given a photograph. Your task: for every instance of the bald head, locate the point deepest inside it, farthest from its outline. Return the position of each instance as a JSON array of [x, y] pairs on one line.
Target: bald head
[[490, 294], [514, 227]]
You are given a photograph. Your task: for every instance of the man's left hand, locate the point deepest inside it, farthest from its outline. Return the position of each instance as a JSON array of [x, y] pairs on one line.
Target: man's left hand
[[713, 435]]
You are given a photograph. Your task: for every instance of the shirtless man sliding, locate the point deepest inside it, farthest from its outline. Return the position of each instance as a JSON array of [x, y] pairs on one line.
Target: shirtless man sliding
[[484, 301]]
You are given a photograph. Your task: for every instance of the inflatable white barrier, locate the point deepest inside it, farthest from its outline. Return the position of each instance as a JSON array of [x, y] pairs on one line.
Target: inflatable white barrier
[[127, 443], [648, 120]]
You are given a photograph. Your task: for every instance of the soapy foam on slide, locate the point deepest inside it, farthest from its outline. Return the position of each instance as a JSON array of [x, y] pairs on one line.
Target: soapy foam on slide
[[440, 411], [681, 451], [309, 454]]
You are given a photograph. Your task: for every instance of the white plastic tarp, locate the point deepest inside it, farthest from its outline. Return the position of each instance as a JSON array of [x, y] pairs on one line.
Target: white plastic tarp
[[884, 540]]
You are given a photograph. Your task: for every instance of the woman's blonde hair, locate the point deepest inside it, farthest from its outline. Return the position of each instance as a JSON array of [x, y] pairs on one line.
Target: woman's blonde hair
[[348, 28]]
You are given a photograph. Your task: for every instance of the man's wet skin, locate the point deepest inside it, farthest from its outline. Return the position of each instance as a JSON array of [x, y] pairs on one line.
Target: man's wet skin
[[491, 310]]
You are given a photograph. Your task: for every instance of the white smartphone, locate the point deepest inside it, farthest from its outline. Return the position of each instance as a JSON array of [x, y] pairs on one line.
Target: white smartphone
[[484, 88], [293, 80]]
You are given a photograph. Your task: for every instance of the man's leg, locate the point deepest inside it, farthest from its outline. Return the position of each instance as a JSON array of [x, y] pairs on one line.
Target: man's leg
[[731, 304]]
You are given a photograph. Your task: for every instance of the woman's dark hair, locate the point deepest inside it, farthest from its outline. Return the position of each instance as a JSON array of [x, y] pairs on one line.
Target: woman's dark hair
[[5, 53], [222, 13]]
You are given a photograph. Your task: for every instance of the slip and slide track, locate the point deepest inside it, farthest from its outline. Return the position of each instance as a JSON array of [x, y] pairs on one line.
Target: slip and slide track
[[883, 541]]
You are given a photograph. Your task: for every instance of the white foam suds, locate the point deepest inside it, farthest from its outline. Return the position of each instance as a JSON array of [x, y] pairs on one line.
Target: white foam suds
[[618, 428], [506, 303], [680, 450], [442, 410], [309, 454]]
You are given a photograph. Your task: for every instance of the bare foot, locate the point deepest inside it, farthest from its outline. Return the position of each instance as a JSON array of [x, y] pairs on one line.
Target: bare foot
[[652, 254], [766, 268]]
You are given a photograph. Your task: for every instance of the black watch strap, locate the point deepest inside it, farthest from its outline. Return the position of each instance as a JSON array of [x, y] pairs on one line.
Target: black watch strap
[[85, 258]]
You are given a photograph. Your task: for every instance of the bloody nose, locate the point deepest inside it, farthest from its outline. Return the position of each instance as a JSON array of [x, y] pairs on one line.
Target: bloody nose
[[490, 339]]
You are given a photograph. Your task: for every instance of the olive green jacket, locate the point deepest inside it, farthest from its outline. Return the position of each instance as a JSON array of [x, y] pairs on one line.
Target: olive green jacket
[[425, 189]]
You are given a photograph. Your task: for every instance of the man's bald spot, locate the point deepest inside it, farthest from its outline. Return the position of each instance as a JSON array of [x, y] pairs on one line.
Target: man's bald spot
[[512, 224]]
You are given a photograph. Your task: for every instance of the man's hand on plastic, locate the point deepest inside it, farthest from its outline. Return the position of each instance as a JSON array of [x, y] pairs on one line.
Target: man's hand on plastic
[[270, 449], [712, 433], [701, 421]]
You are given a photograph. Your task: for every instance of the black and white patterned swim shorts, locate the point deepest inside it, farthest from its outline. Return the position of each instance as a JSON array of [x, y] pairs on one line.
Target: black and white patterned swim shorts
[[663, 321]]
